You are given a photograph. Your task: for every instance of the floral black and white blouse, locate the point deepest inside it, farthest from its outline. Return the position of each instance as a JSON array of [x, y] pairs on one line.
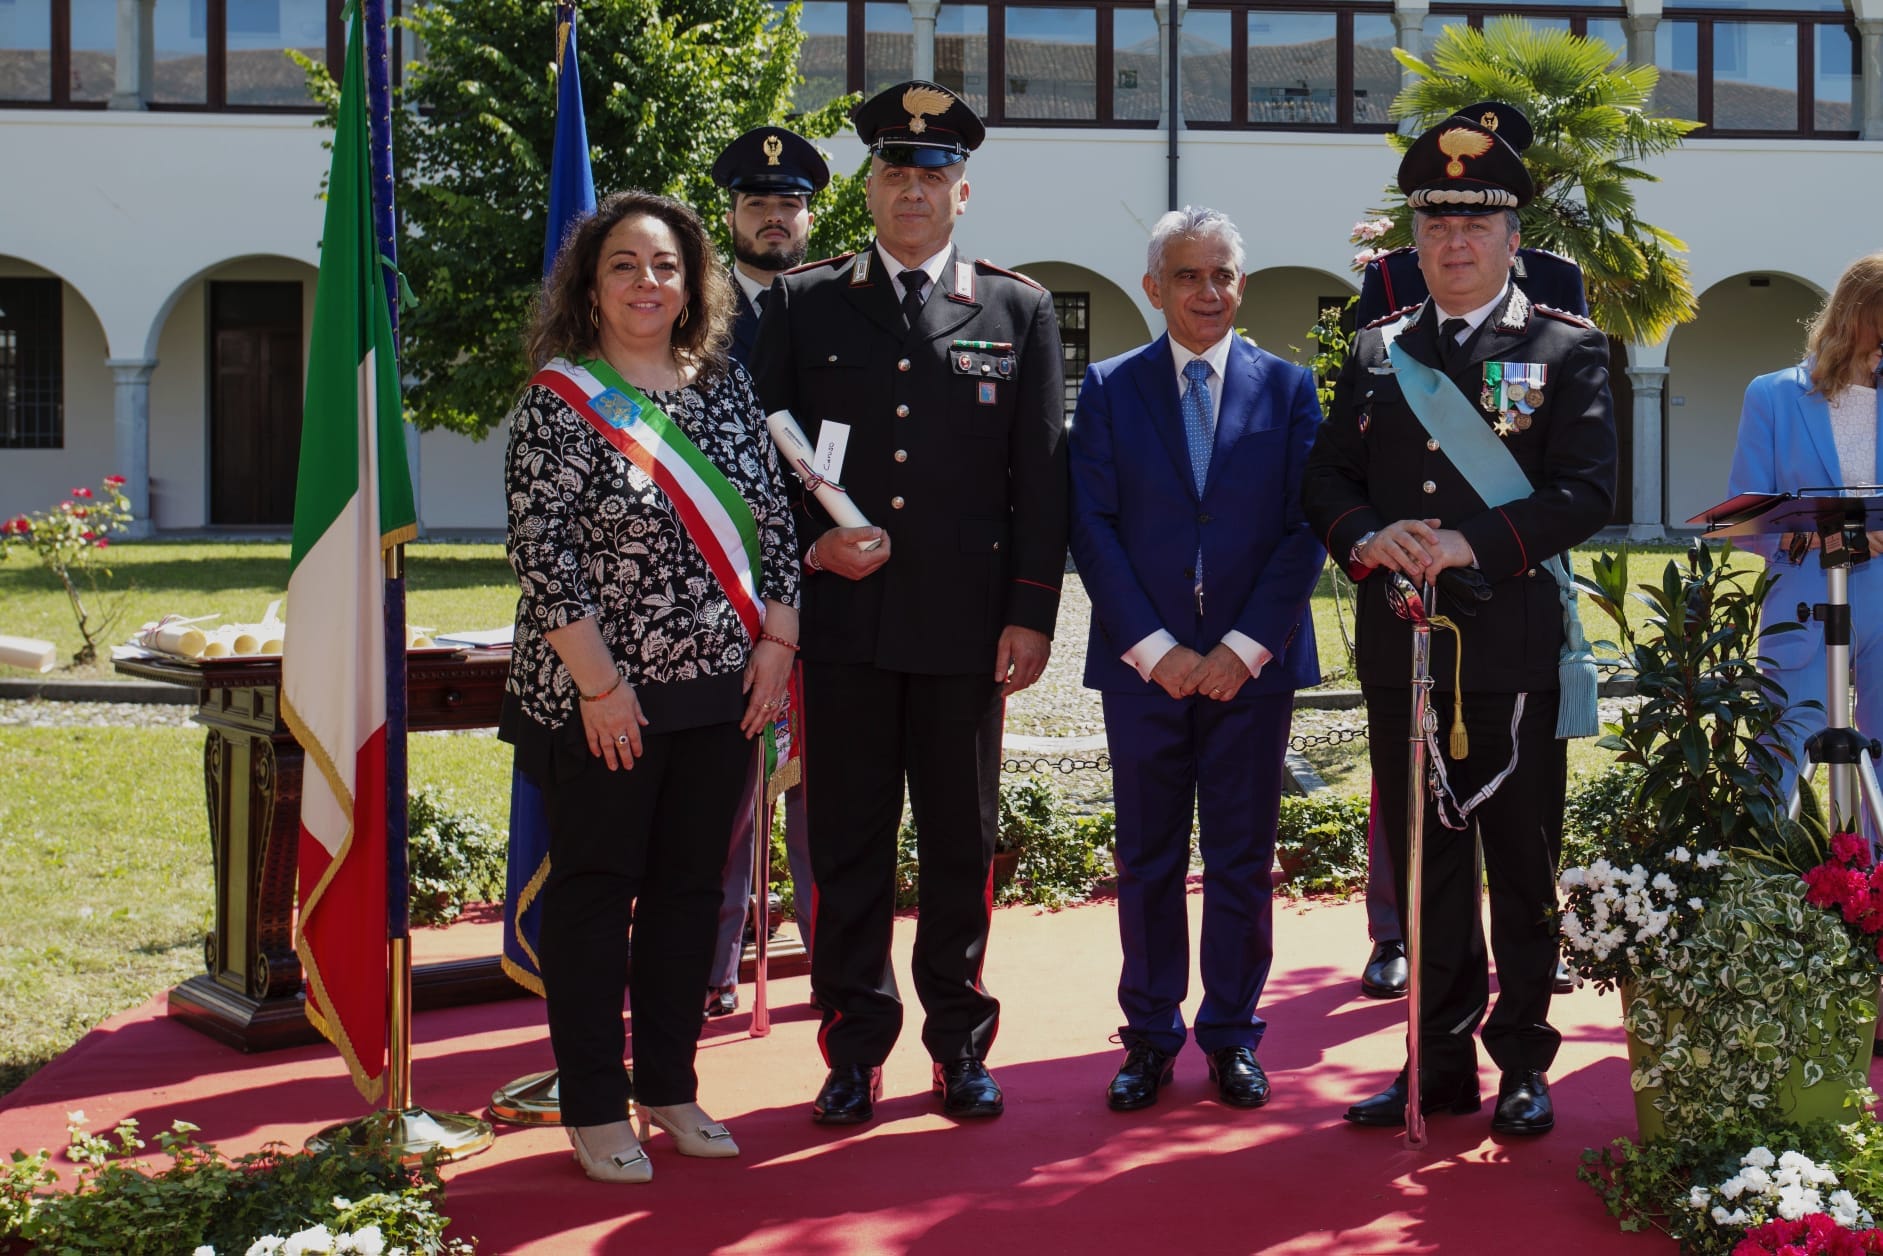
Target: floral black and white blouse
[[592, 536]]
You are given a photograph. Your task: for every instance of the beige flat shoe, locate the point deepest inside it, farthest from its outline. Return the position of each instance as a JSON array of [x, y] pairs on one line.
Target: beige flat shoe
[[609, 1153], [693, 1132]]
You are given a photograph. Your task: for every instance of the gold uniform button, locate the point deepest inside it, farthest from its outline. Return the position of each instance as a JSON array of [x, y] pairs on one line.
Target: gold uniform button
[[831, 358], [1429, 487], [1432, 445], [895, 503], [1533, 573], [902, 455], [996, 546], [902, 364], [902, 412]]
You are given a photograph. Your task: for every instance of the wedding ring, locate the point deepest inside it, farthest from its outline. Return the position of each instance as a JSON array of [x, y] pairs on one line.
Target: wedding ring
[[1216, 693]]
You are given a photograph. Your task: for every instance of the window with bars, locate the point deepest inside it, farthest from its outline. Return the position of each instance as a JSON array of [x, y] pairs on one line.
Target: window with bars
[[32, 365], [1073, 310]]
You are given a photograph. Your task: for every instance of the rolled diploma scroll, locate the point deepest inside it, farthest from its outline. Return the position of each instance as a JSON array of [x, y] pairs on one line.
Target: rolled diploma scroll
[[798, 455], [28, 652], [174, 636]]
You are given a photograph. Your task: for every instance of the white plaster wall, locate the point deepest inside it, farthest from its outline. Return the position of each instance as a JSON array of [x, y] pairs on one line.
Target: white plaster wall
[[1282, 303], [460, 481], [1742, 331], [1116, 323], [35, 479]]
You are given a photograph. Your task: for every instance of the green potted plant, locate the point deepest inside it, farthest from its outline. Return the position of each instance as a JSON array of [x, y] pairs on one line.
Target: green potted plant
[[1741, 997]]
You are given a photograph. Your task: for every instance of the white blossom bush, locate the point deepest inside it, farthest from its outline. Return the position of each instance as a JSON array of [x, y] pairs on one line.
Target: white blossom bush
[[1787, 1186], [1617, 921]]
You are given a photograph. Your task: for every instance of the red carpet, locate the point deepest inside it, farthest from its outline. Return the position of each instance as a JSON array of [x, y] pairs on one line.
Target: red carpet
[[1058, 1173]]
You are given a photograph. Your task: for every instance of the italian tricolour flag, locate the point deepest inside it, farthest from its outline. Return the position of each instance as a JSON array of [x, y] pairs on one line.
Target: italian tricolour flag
[[353, 501]]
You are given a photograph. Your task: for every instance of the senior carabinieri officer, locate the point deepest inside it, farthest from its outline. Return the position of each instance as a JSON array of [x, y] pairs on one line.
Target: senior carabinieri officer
[[771, 175], [931, 384], [1388, 494]]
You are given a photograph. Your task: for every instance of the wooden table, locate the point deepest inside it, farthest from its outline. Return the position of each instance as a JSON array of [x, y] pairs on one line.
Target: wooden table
[[250, 996]]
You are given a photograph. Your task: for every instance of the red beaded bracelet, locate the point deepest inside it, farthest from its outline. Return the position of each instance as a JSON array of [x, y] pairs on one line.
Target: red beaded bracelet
[[777, 640]]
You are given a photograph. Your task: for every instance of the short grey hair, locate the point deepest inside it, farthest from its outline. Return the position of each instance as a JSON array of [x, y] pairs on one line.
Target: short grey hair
[[1192, 222], [1512, 223]]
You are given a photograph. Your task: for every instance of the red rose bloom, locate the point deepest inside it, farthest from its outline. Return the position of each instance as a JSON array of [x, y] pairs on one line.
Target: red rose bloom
[[81, 492]]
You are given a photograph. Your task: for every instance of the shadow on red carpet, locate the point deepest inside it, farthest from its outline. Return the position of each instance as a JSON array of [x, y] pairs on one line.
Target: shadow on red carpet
[[1058, 1173]]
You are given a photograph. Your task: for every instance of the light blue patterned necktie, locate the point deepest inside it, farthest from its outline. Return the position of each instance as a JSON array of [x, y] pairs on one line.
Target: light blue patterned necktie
[[1198, 430]]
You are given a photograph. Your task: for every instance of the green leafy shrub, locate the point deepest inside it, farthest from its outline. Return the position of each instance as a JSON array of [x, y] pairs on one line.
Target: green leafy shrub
[[1321, 842], [203, 1199], [68, 540], [455, 858], [1599, 814], [1062, 858]]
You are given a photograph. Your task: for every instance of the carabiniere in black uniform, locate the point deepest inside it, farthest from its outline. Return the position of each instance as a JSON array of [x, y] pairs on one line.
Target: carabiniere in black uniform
[[956, 449], [1373, 463]]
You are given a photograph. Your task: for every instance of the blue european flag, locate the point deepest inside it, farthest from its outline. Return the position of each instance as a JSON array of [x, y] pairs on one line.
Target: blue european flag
[[571, 182], [571, 195]]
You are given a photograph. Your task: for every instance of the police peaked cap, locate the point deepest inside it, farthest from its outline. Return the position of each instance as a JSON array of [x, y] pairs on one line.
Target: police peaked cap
[[918, 123], [769, 160], [1468, 164]]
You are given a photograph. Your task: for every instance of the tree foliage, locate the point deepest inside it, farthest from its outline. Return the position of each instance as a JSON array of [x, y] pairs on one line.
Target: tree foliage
[[666, 84], [1593, 130]]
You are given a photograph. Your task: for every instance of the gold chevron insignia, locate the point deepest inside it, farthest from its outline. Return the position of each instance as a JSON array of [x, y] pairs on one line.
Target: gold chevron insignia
[[1459, 143], [773, 146], [924, 102]]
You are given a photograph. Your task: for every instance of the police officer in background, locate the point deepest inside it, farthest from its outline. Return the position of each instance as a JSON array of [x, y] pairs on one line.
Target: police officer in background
[[1392, 281], [932, 386], [772, 175], [1387, 495]]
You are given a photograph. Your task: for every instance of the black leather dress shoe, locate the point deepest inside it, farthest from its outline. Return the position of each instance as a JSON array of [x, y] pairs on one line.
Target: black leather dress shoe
[[968, 1089], [1385, 974], [1564, 982], [722, 1002], [1436, 1094], [1135, 1086], [849, 1095], [1523, 1104], [1240, 1081]]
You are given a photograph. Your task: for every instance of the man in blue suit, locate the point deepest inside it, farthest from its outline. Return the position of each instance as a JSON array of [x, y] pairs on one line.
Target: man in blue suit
[[1187, 457]]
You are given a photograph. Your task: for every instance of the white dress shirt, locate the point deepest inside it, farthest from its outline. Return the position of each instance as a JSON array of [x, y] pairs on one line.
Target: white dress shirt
[[1475, 317], [1148, 653], [753, 288], [932, 268]]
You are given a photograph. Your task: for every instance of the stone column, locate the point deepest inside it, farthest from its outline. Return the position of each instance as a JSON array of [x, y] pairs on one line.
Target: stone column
[[135, 57], [131, 430], [922, 13], [1645, 516], [1870, 88], [1409, 33], [1163, 10], [1640, 28]]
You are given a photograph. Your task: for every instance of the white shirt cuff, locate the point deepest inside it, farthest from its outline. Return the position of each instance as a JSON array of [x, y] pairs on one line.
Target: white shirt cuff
[[1253, 653], [1148, 653]]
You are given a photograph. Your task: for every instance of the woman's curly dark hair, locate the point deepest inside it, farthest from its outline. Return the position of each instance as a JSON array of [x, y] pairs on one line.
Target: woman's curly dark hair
[[560, 323]]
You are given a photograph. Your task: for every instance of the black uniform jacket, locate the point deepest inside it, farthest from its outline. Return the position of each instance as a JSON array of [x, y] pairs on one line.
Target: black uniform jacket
[[956, 449], [1393, 281], [745, 326], [1373, 463]]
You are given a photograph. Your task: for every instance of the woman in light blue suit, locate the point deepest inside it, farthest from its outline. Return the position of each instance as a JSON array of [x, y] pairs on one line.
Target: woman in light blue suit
[[1817, 425]]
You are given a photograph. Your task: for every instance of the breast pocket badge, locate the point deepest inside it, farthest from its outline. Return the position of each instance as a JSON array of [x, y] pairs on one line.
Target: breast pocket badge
[[986, 394]]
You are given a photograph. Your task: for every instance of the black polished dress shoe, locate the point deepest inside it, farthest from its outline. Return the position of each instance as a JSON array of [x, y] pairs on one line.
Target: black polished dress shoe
[[1385, 974], [1144, 1070], [723, 1001], [1240, 1081], [849, 1095], [968, 1089], [1436, 1094], [1564, 982], [1523, 1104]]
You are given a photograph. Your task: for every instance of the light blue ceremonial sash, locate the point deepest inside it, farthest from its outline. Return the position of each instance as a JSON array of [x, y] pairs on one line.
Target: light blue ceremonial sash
[[1495, 476]]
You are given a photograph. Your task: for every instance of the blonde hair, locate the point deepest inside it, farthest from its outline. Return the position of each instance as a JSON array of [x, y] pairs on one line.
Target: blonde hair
[[1844, 333]]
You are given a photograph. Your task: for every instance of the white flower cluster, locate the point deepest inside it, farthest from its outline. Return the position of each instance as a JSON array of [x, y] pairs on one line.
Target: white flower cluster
[[1791, 1185], [1627, 908], [319, 1241]]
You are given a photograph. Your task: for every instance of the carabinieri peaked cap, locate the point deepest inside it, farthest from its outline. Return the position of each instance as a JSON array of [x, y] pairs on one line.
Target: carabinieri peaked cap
[[1468, 164], [771, 160], [918, 123]]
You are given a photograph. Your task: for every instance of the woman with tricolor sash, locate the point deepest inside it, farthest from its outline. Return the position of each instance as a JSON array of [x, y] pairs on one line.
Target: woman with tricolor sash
[[654, 638]]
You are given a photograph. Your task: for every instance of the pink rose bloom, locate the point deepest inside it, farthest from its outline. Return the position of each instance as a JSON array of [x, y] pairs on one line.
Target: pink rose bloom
[[115, 481], [81, 492]]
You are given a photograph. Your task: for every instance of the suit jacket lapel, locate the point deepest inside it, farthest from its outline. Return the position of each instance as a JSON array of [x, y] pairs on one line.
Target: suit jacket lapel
[[1155, 375], [876, 297], [1815, 412], [1237, 408], [1505, 327]]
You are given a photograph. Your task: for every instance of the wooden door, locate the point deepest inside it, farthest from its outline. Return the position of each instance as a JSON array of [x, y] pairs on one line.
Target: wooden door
[[255, 387]]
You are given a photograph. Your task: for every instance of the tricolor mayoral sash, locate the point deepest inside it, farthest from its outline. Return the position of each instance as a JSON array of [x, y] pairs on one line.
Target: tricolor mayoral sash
[[711, 510]]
